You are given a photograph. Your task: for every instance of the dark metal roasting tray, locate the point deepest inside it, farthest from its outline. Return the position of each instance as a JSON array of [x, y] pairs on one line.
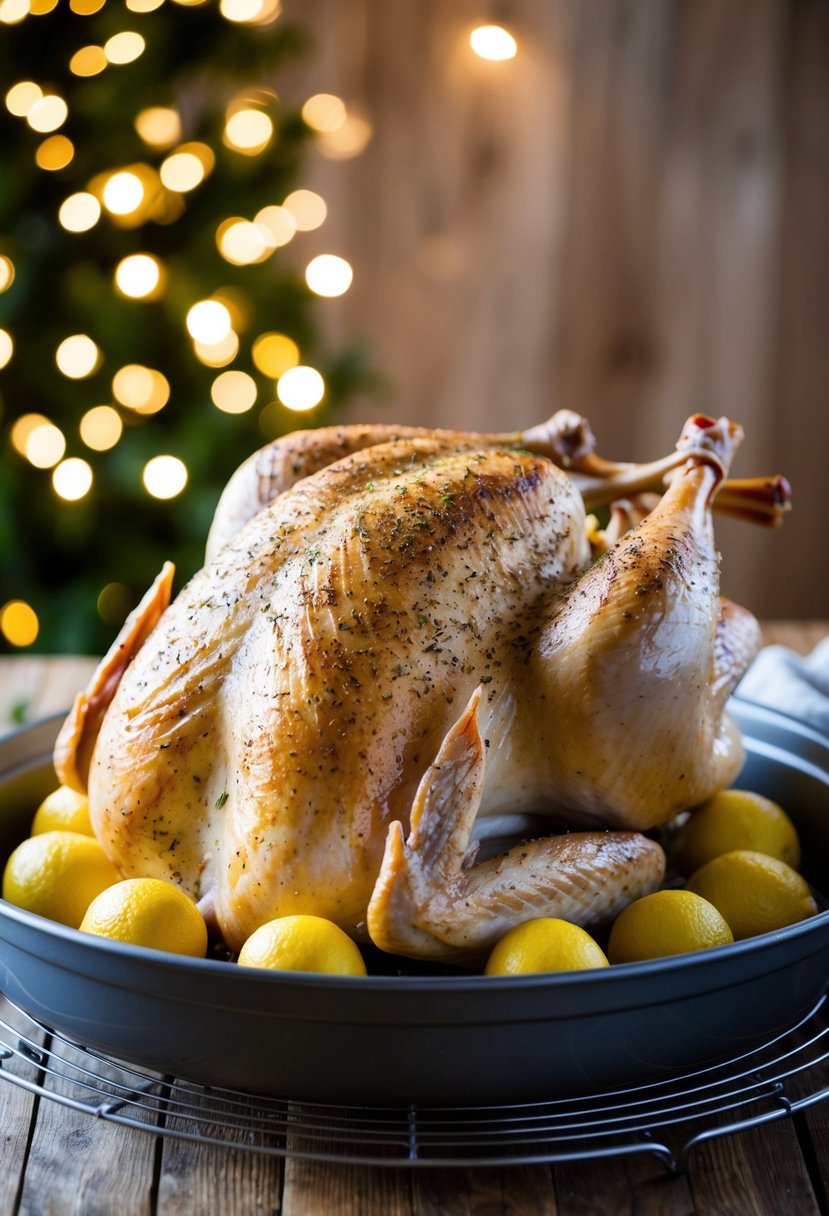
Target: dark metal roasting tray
[[439, 1039]]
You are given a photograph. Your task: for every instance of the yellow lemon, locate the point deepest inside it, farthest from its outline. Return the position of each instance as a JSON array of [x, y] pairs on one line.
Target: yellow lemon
[[148, 912], [546, 944], [735, 819], [666, 922], [755, 893], [302, 943], [63, 810], [57, 875]]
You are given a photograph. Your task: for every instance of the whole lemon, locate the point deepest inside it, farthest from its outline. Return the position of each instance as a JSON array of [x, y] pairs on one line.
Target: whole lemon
[[755, 893], [64, 810], [148, 912], [735, 819], [666, 922], [57, 875], [302, 943], [545, 944]]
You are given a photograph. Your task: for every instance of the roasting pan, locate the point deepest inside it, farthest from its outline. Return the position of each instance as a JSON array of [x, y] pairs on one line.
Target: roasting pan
[[420, 1038]]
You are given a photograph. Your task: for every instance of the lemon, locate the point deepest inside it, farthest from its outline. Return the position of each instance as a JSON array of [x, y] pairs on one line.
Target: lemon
[[63, 810], [57, 875], [302, 943], [736, 819], [755, 893], [546, 944], [666, 922], [148, 912]]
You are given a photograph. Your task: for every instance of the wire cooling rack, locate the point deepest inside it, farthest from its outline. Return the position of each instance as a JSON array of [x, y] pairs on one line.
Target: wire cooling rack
[[666, 1119]]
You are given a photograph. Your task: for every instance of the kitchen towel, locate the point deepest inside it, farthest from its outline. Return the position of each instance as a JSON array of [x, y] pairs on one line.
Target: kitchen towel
[[795, 684]]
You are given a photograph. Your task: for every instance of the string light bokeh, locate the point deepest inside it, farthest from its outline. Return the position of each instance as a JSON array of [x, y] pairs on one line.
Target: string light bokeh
[[158, 320]]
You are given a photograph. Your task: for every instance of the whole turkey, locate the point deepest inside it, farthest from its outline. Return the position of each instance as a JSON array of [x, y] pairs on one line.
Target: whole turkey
[[401, 635]]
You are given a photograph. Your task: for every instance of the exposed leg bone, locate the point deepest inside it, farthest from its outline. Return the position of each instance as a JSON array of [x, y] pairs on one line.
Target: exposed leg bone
[[432, 901]]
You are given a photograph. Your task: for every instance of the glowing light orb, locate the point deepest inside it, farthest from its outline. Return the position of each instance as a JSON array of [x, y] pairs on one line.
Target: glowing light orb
[[101, 428], [348, 140], [88, 61], [79, 212], [6, 347], [48, 114], [242, 243], [18, 623], [324, 112], [181, 172], [279, 222], [208, 321], [143, 6], [123, 193], [72, 479], [159, 126], [308, 209], [328, 275], [248, 131], [113, 603], [6, 272], [233, 392], [493, 42], [85, 8], [300, 388], [164, 476], [218, 354], [124, 47], [22, 96], [54, 153], [77, 356], [138, 276], [274, 354], [140, 388], [23, 428], [45, 445], [12, 11]]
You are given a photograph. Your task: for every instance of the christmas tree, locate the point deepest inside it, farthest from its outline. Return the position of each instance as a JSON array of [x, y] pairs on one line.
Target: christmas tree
[[152, 334]]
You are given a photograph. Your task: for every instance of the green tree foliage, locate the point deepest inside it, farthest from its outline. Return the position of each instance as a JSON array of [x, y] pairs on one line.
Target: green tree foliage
[[59, 555]]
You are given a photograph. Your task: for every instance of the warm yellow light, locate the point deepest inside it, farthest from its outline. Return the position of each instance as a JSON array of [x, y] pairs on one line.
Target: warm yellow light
[[21, 97], [165, 476], [23, 428], [101, 428], [243, 243], [143, 6], [140, 388], [18, 623], [39, 8], [493, 42], [77, 357], [328, 275], [279, 222], [308, 209], [218, 354], [274, 354], [123, 193], [138, 276], [54, 153], [187, 167], [72, 479], [45, 445], [248, 131], [208, 321], [6, 347], [233, 392], [159, 126], [124, 47], [12, 11], [244, 10], [79, 212], [324, 112], [88, 61], [48, 114], [348, 140], [300, 388], [6, 272], [85, 8]]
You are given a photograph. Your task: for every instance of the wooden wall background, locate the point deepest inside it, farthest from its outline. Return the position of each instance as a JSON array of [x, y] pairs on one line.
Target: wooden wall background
[[631, 219]]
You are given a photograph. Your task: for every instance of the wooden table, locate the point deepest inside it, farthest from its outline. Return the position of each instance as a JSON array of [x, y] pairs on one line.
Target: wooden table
[[58, 1161]]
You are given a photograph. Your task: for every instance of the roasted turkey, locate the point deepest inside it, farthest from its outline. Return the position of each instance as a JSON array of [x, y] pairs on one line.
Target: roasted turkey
[[401, 635]]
